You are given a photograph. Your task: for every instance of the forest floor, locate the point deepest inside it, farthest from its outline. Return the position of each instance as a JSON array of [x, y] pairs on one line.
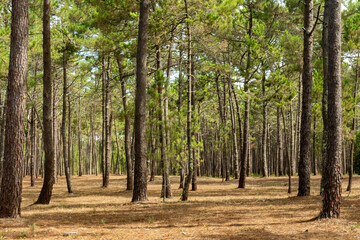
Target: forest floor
[[218, 210]]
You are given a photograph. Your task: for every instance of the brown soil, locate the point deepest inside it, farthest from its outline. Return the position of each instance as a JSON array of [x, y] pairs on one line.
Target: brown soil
[[218, 210]]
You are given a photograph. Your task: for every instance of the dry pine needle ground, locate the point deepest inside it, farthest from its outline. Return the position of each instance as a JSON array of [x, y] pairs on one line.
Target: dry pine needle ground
[[218, 210]]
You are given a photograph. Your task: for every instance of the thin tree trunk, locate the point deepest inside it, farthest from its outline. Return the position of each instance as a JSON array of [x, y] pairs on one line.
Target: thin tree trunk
[[69, 146], [238, 113], [107, 124], [55, 136], [353, 128], [234, 134], [279, 156], [324, 105], [2, 134], [287, 151], [167, 182], [79, 139], [314, 148], [246, 136], [33, 147], [129, 167], [63, 127], [264, 130], [185, 193]]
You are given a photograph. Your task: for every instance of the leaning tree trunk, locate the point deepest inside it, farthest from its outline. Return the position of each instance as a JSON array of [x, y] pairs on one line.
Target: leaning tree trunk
[[49, 176], [305, 132], [332, 177], [140, 176], [11, 185]]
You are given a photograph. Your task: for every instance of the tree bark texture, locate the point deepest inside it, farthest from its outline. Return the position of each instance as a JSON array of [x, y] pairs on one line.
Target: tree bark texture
[[332, 177], [11, 185], [49, 165], [305, 131], [140, 173]]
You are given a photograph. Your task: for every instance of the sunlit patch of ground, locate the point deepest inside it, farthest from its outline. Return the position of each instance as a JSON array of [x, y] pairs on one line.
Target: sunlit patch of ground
[[218, 210]]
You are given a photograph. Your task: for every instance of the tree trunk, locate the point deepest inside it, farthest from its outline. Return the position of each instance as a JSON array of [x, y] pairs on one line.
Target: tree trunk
[[167, 166], [11, 185], [140, 176], [264, 130], [63, 126], [2, 134], [33, 147], [332, 177], [234, 133], [238, 113], [353, 128], [246, 135], [107, 124], [55, 128], [70, 138], [185, 193], [305, 132], [287, 151], [79, 139], [49, 176], [324, 105], [314, 148], [279, 156], [129, 167]]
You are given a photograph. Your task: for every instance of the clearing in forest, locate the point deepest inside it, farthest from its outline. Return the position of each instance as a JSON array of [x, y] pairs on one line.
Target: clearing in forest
[[218, 210]]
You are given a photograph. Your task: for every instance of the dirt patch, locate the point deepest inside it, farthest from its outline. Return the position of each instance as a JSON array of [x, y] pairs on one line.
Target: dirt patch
[[218, 210]]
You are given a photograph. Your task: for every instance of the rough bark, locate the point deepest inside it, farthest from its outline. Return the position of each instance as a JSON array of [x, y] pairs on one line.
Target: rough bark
[[140, 176], [305, 131], [49, 174], [11, 185], [332, 177], [324, 105]]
